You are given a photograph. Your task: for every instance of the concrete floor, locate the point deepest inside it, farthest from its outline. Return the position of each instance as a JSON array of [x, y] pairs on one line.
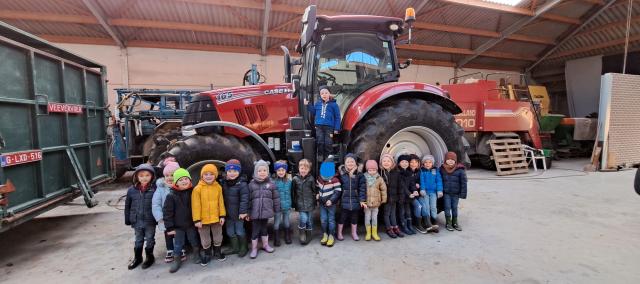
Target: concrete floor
[[584, 228]]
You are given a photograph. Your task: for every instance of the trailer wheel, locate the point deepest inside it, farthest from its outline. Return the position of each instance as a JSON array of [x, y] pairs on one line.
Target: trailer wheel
[[408, 126], [214, 146]]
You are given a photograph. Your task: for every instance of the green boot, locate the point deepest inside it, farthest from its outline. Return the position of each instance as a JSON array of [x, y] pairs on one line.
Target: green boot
[[234, 246], [455, 224], [448, 225], [242, 246]]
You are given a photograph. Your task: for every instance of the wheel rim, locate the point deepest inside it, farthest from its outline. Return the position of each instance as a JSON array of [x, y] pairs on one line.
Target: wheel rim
[[417, 140]]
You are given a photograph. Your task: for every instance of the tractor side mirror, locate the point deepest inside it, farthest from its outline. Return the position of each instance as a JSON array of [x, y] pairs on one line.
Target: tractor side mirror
[[295, 81]]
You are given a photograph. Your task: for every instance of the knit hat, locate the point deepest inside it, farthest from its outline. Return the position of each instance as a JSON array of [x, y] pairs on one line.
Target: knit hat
[[280, 165], [209, 168], [144, 167], [322, 88], [180, 173], [371, 164], [169, 168], [258, 165], [166, 161], [404, 157], [233, 164], [352, 156], [428, 158], [451, 156], [414, 157]]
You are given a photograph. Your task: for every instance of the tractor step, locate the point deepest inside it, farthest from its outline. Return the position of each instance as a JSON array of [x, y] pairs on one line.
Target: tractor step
[[509, 156]]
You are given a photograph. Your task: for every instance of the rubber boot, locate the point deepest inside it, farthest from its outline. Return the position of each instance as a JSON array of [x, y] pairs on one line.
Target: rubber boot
[[448, 225], [340, 237], [354, 233], [195, 255], [324, 239], [265, 244], [399, 233], [254, 249], [175, 265], [303, 236], [150, 259], [205, 257], [367, 237], [419, 227], [391, 233], [217, 252], [308, 233], [454, 223], [330, 241], [374, 233], [410, 229], [276, 238], [287, 236], [137, 258], [242, 246], [431, 228], [234, 246]]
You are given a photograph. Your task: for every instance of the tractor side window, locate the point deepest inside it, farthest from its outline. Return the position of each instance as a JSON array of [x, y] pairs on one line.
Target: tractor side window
[[350, 63]]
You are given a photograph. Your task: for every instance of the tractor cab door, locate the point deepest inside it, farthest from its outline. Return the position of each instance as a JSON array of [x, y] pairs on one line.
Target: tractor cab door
[[351, 63]]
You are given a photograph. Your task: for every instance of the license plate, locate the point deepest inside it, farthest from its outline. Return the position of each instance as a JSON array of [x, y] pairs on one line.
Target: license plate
[[17, 158]]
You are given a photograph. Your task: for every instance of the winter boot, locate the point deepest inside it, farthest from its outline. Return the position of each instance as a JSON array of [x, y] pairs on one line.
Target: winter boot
[[265, 244], [367, 237], [308, 233], [205, 257], [419, 227], [242, 246], [431, 228], [454, 223], [374, 233], [410, 229], [324, 239], [217, 252], [448, 225], [169, 256], [287, 236], [339, 236], [137, 258], [303, 236], [403, 229], [234, 246], [150, 259], [391, 233], [399, 233], [254, 249], [330, 241], [175, 265], [276, 238], [354, 232]]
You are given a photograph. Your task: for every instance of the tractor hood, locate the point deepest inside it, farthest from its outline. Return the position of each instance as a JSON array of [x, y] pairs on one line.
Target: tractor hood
[[226, 95]]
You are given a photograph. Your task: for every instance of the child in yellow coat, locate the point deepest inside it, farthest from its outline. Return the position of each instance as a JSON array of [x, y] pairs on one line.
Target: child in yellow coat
[[207, 206]]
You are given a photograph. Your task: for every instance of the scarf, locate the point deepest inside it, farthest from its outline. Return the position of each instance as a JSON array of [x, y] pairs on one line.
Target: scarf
[[449, 169], [371, 179]]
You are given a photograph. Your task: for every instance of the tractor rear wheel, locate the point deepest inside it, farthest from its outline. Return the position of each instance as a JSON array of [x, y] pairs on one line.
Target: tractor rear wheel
[[196, 148], [408, 126], [162, 140]]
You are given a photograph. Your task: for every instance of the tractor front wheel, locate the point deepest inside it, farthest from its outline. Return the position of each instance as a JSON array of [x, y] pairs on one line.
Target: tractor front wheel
[[408, 126]]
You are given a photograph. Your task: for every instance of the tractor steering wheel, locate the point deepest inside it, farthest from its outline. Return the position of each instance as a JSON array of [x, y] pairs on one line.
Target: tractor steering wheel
[[327, 77]]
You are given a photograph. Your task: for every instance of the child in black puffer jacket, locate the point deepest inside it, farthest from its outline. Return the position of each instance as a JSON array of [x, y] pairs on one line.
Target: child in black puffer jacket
[[236, 201], [454, 184], [391, 177], [138, 214], [406, 186], [354, 188]]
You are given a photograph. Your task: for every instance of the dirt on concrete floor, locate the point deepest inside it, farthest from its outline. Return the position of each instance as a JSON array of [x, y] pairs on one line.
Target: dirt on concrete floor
[[561, 226]]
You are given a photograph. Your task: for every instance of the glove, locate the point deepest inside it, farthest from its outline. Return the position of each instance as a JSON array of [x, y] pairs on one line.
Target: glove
[[423, 193], [440, 194]]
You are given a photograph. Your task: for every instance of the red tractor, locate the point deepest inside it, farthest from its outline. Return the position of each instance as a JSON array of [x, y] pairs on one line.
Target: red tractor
[[355, 56], [494, 109]]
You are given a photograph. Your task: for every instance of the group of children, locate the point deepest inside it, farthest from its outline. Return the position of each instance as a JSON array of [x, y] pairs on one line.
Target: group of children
[[407, 192]]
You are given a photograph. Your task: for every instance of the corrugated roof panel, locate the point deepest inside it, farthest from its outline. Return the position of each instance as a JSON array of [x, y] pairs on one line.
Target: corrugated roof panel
[[72, 7], [59, 29]]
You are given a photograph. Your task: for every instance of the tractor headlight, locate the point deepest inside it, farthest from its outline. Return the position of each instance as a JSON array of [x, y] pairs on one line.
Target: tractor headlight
[[394, 27]]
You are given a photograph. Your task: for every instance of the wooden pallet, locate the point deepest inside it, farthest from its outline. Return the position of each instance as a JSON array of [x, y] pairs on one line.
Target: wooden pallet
[[509, 156]]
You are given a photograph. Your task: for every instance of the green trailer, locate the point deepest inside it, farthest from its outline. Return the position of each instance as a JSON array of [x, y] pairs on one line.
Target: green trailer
[[53, 116]]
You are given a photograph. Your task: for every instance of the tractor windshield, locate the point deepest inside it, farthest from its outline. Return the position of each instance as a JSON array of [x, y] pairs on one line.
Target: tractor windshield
[[350, 63]]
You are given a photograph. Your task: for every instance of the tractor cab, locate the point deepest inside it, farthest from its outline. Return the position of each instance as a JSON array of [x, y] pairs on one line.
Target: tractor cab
[[348, 54]]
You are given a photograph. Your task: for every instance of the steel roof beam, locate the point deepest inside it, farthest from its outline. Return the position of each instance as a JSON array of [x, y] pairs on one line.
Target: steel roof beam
[[103, 21]]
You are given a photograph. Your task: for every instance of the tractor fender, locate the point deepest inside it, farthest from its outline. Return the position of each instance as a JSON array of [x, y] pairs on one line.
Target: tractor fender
[[384, 92]]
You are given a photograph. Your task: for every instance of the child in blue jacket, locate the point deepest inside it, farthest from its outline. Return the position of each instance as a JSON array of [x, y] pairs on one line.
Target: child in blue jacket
[[327, 121], [163, 188], [430, 189], [283, 184], [454, 183]]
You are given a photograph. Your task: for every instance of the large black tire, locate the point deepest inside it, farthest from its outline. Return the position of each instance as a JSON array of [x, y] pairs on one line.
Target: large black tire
[[214, 146], [485, 162], [377, 127], [162, 140], [636, 183]]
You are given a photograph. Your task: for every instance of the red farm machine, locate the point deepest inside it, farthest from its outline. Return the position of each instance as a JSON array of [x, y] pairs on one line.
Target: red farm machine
[[355, 56], [494, 109]]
